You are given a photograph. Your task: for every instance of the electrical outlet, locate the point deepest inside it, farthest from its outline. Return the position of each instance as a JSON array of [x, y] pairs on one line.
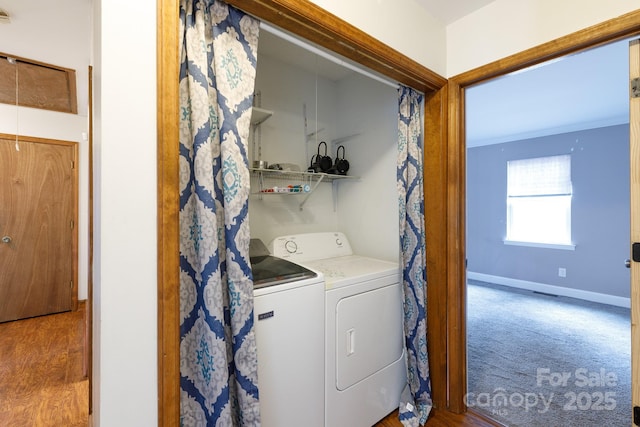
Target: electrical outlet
[[562, 272]]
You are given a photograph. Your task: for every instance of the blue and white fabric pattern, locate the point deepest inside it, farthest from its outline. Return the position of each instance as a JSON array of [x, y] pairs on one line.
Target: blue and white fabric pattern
[[415, 401], [218, 356]]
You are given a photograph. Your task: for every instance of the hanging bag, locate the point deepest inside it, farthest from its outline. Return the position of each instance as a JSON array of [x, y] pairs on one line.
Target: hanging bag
[[341, 164], [322, 162], [313, 165]]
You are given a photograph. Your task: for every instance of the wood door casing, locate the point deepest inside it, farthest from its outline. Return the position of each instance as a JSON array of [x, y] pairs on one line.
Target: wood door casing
[[624, 26], [634, 202], [38, 213]]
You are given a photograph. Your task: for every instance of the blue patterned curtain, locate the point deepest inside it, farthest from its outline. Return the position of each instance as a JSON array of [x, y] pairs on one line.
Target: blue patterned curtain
[[218, 361], [415, 402]]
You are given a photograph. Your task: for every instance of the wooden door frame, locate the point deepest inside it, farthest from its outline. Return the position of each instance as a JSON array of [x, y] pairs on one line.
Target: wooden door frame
[[89, 307], [312, 23], [625, 26], [634, 202]]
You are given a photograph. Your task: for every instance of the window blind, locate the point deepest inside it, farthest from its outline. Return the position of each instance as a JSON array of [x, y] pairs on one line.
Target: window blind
[[541, 176]]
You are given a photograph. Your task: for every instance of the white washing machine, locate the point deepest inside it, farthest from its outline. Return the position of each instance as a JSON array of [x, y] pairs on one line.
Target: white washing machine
[[289, 327], [365, 368]]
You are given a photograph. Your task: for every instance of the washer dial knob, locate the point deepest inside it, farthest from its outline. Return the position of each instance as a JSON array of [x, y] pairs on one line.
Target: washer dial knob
[[291, 246]]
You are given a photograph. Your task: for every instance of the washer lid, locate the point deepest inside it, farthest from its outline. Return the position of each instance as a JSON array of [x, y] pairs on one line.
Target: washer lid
[[269, 270]]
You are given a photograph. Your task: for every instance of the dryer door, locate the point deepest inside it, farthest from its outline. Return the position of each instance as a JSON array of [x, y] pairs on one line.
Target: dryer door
[[369, 334]]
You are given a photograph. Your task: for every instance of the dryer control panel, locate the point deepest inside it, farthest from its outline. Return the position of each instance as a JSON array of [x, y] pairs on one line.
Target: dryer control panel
[[311, 246]]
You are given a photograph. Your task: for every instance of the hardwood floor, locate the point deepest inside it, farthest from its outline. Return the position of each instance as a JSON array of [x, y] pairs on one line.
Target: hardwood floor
[[43, 381], [440, 418], [42, 375]]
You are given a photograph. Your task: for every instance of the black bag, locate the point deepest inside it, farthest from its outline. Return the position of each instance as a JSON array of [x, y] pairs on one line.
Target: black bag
[[320, 162]]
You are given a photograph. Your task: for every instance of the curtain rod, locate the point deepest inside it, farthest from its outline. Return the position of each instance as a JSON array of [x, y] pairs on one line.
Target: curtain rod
[[279, 33]]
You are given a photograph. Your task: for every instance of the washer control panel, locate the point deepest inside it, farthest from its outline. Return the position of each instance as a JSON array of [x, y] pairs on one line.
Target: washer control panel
[[311, 246]]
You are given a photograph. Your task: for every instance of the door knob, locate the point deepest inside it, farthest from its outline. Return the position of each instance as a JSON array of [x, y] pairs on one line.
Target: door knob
[[627, 263], [6, 239]]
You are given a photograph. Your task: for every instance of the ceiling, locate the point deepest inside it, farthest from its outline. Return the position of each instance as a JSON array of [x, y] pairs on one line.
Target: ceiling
[[448, 11], [581, 91], [278, 44]]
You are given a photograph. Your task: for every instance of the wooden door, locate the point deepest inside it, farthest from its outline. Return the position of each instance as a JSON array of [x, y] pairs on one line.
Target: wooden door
[[634, 155], [38, 243]]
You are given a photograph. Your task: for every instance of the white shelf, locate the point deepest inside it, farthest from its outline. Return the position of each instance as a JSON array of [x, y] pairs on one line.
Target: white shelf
[[301, 174], [259, 116], [302, 178]]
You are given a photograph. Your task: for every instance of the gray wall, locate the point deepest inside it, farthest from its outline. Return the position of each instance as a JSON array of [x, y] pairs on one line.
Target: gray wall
[[599, 217]]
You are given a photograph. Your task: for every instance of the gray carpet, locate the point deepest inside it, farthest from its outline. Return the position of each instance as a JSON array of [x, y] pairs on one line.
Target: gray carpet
[[549, 361]]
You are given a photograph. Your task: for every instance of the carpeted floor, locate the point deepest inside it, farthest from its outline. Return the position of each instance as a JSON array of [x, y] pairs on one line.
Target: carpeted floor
[[549, 361]]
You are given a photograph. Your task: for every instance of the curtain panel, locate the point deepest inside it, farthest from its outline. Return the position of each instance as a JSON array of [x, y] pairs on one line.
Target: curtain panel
[[218, 360], [415, 402]]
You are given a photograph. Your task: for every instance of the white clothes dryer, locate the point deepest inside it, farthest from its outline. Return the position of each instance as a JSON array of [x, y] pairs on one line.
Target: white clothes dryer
[[365, 368]]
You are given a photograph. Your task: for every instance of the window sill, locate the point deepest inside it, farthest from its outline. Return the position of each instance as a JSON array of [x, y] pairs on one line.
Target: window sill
[[566, 247]]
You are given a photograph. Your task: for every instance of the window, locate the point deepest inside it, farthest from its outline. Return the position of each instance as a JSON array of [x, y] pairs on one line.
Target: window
[[41, 85], [539, 200]]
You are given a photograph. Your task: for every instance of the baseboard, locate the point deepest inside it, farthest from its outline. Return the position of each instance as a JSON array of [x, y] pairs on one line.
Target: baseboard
[[551, 289]]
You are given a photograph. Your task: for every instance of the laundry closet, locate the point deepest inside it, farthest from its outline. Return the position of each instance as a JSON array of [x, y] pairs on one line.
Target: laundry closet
[[327, 292], [303, 99]]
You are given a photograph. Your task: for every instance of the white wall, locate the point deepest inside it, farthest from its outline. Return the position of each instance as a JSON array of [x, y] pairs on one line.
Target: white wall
[[506, 27], [284, 89], [56, 33], [125, 278], [368, 208], [401, 24], [356, 107]]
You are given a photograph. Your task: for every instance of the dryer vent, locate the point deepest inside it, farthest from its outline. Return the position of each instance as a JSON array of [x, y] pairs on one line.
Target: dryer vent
[[5, 18]]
